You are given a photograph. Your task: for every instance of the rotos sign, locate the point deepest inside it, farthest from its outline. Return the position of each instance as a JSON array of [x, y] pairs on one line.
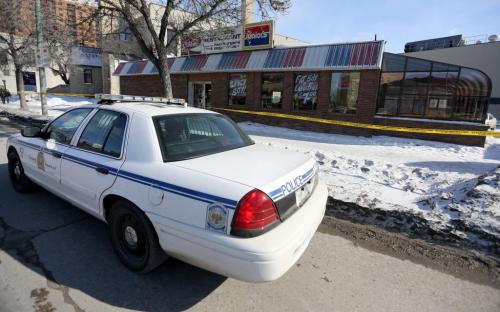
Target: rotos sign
[[258, 35]]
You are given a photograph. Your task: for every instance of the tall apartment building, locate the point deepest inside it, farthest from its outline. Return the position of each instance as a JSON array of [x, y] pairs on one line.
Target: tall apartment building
[[70, 16]]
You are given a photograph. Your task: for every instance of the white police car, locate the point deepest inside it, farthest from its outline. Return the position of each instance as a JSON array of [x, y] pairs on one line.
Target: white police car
[[176, 180]]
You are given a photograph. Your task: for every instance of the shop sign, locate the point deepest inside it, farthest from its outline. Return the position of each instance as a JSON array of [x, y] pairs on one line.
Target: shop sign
[[248, 37], [213, 41], [258, 35], [29, 79], [344, 85], [306, 86]]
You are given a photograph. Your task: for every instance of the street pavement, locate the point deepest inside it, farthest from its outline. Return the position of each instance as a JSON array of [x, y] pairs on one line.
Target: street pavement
[[54, 257]]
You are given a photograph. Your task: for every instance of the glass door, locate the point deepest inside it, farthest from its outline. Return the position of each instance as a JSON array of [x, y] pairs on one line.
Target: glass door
[[200, 94]]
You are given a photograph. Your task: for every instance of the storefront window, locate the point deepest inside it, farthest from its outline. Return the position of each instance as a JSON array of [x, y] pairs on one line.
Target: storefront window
[[344, 92], [416, 83], [443, 82], [237, 89], [305, 91], [272, 90], [412, 105], [411, 87], [470, 108], [473, 83], [439, 107]]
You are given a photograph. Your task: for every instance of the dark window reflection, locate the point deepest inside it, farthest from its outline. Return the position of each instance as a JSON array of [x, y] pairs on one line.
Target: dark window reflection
[[393, 63]]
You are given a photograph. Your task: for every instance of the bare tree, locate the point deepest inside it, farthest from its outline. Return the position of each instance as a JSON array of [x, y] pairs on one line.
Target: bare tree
[[59, 41], [157, 28], [17, 39]]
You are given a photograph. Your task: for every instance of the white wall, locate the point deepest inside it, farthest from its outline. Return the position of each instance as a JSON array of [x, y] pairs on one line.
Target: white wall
[[284, 41]]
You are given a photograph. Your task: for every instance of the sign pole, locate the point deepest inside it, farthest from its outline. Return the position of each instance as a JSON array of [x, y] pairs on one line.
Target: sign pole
[[41, 68]]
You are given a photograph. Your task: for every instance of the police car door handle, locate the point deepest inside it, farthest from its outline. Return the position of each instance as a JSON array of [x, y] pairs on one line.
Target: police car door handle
[[57, 154], [102, 170]]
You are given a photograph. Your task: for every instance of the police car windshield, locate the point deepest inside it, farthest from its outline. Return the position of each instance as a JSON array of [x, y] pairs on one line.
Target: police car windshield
[[186, 136]]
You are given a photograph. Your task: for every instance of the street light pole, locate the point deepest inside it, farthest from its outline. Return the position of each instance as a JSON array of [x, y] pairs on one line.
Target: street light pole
[[41, 68]]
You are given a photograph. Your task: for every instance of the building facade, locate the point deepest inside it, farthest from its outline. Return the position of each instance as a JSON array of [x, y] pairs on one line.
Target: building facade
[[354, 82]]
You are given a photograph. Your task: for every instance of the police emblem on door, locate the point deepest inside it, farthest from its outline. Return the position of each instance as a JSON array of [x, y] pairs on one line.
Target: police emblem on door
[[40, 161], [216, 218]]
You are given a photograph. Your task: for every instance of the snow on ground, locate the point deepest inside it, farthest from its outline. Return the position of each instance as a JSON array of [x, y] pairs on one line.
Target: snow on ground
[[423, 177], [56, 104]]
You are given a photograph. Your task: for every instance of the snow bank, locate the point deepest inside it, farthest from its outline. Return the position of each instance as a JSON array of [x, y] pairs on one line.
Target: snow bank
[[56, 104], [427, 178]]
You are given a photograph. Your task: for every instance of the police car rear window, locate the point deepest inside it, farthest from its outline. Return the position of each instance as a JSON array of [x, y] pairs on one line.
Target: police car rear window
[[186, 136]]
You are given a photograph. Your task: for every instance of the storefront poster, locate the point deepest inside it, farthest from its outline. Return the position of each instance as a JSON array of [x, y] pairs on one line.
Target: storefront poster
[[238, 86], [306, 87]]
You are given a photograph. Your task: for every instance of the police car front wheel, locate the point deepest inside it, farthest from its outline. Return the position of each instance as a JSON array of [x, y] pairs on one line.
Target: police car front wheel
[[19, 180], [134, 238]]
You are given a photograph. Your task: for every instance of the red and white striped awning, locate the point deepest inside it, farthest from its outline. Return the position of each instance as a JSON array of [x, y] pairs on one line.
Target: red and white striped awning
[[344, 56]]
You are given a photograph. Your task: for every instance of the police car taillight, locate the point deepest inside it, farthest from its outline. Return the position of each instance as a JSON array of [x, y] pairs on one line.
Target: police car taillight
[[256, 213]]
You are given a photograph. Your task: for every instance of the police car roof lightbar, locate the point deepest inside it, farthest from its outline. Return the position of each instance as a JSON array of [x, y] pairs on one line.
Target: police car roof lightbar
[[111, 98]]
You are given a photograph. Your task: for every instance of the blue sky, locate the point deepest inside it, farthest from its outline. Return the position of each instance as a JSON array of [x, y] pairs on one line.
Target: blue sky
[[397, 22]]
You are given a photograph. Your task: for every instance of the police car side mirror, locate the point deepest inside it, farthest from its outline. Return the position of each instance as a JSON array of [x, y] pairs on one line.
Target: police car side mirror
[[31, 132]]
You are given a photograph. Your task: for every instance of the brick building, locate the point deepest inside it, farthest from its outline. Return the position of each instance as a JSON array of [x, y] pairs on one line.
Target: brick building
[[355, 82]]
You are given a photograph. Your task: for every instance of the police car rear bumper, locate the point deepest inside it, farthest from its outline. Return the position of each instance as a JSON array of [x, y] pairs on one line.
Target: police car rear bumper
[[260, 259]]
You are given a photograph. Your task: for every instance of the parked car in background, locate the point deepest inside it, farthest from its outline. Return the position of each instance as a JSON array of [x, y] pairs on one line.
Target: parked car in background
[[180, 181], [491, 121]]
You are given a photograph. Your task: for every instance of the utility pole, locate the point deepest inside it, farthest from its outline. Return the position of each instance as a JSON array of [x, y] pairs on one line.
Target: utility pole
[[41, 68]]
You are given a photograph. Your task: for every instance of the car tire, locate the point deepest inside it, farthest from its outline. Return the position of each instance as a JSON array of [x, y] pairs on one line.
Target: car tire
[[19, 180], [134, 239]]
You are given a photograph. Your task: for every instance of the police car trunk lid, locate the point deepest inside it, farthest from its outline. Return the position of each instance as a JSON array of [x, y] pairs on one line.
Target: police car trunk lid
[[277, 172]]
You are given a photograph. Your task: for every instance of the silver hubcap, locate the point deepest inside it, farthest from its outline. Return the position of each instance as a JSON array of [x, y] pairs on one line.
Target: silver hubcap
[[17, 171], [130, 236]]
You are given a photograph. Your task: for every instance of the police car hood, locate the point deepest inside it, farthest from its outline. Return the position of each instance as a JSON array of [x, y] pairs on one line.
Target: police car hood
[[262, 167]]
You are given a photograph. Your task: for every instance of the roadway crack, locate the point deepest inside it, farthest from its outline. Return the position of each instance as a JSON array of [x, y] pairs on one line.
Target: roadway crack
[[21, 243]]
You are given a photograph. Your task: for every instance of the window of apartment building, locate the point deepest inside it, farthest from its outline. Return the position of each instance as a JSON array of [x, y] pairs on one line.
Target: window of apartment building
[[87, 75], [4, 64], [305, 91], [272, 90], [124, 30], [71, 16], [237, 89], [344, 89]]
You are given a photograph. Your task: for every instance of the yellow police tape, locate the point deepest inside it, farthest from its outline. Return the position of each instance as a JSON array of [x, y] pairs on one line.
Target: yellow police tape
[[60, 94], [365, 125]]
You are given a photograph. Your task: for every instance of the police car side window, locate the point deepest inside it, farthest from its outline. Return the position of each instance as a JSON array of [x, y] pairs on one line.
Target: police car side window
[[63, 128], [104, 133]]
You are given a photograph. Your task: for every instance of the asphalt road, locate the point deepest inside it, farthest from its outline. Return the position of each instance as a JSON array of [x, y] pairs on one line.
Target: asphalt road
[[55, 258]]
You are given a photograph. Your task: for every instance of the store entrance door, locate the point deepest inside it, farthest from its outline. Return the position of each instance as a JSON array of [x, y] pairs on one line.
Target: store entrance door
[[200, 94]]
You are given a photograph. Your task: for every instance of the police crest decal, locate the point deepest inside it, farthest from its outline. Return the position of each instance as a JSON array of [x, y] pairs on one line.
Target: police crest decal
[[216, 218]]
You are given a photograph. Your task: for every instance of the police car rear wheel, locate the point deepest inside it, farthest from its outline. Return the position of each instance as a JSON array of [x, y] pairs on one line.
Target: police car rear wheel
[[19, 180], [134, 238]]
